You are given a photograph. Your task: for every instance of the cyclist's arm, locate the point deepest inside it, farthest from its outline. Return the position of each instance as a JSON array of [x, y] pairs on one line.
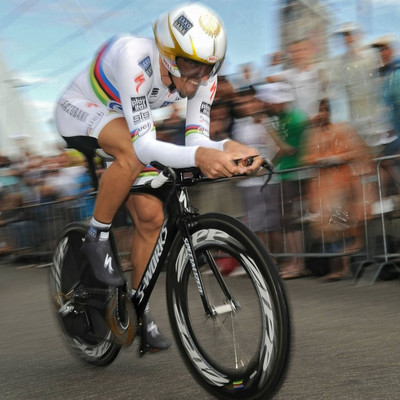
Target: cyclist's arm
[[135, 84], [197, 132]]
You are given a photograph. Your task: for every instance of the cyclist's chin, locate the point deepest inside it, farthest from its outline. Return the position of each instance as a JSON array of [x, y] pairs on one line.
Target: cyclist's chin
[[189, 90]]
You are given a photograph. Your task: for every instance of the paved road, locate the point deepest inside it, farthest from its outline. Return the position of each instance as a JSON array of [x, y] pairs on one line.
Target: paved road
[[346, 346]]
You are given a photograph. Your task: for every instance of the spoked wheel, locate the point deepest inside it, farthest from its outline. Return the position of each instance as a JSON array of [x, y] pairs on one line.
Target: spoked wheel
[[81, 301], [237, 345]]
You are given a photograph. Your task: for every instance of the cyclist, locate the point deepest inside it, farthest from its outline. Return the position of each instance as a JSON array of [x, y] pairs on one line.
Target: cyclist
[[109, 105]]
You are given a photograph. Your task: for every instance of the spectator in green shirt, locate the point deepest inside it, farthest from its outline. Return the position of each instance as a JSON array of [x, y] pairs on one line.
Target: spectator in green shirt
[[291, 125]]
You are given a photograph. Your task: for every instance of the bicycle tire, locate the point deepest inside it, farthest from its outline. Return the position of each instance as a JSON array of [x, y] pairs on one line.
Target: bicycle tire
[[253, 365], [85, 329]]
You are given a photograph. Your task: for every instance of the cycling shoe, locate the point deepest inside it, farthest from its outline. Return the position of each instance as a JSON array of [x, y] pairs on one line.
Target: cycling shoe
[[102, 262], [152, 339]]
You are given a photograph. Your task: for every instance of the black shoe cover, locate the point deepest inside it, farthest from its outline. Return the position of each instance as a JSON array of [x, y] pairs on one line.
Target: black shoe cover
[[101, 259], [152, 339]]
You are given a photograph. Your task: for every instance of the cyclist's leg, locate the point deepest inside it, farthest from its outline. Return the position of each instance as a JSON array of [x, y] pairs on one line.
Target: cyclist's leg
[[115, 140], [116, 181], [76, 119], [147, 215]]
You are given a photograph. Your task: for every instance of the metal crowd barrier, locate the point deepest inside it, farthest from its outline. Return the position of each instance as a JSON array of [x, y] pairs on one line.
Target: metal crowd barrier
[[379, 255], [32, 230]]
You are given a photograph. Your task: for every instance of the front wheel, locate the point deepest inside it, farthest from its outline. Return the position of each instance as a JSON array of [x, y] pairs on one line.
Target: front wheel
[[237, 342]]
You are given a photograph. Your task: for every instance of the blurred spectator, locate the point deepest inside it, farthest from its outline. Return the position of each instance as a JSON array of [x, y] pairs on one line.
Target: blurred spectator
[[336, 196], [274, 64], [247, 75], [292, 125], [172, 128], [357, 72], [221, 116], [307, 79], [261, 205], [390, 74]]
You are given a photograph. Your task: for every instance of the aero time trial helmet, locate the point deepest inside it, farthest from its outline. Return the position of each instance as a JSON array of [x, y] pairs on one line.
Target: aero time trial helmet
[[192, 33]]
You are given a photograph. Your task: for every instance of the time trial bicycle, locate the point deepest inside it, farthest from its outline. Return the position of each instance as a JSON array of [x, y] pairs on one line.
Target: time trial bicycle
[[232, 332]]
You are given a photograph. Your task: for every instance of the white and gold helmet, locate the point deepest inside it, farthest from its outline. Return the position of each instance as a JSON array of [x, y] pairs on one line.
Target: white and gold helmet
[[190, 32]]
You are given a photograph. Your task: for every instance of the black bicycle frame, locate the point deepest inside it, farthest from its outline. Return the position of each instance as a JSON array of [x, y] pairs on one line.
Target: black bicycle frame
[[178, 217]]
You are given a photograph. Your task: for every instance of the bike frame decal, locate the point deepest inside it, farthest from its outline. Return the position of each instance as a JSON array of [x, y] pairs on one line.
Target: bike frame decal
[[152, 266], [199, 236], [193, 265]]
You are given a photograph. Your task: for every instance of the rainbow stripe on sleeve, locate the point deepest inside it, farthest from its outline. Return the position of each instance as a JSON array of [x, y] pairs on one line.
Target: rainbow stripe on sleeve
[[103, 88], [193, 129], [135, 132], [148, 170]]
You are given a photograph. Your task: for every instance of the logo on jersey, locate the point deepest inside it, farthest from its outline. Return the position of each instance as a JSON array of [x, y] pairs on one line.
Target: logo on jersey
[[139, 80], [154, 92], [138, 103], [145, 64], [74, 111], [205, 109], [166, 103], [95, 119], [141, 130], [213, 89], [183, 25], [141, 116], [114, 106]]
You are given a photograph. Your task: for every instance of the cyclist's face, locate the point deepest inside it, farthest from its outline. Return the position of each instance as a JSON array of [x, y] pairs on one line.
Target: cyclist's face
[[192, 75]]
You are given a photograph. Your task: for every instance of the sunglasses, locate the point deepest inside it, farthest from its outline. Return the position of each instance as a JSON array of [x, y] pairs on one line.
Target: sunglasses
[[194, 69]]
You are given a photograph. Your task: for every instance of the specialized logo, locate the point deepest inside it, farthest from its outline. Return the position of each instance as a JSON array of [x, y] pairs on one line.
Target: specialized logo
[[138, 103], [153, 262], [139, 80], [205, 108], [108, 264], [146, 65], [213, 90], [183, 25]]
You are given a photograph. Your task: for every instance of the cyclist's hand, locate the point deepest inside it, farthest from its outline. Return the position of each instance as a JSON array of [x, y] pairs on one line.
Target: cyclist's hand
[[247, 158], [216, 164]]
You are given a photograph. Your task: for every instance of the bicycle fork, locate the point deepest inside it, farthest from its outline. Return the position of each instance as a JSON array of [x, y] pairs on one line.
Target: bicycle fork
[[211, 310]]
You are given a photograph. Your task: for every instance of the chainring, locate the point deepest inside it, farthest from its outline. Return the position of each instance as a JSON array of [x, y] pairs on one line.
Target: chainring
[[124, 331]]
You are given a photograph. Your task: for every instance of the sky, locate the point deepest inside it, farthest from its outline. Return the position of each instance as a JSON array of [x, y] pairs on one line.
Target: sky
[[45, 43]]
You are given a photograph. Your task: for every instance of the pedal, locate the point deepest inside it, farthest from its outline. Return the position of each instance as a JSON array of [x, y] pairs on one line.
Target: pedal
[[66, 308], [145, 348]]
